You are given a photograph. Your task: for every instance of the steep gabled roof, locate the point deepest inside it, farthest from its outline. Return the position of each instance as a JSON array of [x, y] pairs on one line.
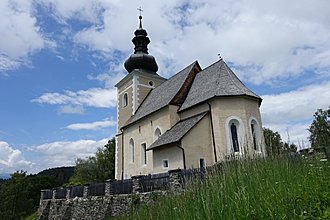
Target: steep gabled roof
[[173, 91], [214, 81], [177, 132]]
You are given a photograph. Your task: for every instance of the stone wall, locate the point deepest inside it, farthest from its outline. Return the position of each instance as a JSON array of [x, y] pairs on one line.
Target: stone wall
[[99, 207]]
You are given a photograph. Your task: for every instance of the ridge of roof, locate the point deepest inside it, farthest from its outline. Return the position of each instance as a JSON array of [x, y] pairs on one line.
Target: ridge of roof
[[217, 80], [178, 131], [164, 94]]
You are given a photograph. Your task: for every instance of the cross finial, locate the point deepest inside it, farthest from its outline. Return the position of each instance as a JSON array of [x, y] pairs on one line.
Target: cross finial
[[140, 10], [140, 17]]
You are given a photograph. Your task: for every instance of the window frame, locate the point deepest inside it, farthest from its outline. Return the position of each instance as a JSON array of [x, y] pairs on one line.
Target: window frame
[[131, 151], [240, 127], [144, 154], [125, 100], [168, 164]]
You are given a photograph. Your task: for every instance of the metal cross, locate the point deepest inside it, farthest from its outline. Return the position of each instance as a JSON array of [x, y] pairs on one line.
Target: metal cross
[[140, 9]]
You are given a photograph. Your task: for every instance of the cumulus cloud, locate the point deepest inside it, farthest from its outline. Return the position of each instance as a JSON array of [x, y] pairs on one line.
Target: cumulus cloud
[[12, 159], [266, 42], [94, 97], [293, 111], [92, 126], [20, 34]]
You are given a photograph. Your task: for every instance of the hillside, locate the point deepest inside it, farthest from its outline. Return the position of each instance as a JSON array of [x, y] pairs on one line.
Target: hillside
[[20, 194], [276, 188]]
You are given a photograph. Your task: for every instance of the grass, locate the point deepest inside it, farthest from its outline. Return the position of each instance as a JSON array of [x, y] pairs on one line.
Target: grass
[[33, 216], [274, 188]]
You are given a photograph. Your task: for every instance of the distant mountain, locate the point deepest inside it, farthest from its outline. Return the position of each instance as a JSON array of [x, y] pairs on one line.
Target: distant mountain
[[4, 176]]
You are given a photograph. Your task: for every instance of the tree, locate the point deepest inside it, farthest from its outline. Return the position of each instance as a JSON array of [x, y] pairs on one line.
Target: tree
[[20, 194], [320, 129], [96, 168], [273, 142], [289, 147]]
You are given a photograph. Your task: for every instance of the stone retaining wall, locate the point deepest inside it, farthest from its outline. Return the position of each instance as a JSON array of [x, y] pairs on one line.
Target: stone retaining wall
[[99, 207]]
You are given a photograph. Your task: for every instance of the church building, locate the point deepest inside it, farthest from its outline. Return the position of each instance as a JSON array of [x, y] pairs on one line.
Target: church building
[[196, 118]]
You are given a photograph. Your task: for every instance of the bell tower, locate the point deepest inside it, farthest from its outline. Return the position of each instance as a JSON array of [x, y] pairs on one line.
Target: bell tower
[[134, 87]]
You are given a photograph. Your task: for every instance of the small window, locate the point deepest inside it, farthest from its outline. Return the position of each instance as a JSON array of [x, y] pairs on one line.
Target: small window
[[157, 134], [131, 150], [165, 164], [125, 100], [201, 163], [144, 154], [151, 83]]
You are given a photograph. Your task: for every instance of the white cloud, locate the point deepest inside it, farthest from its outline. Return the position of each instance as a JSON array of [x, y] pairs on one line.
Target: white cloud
[[269, 41], [85, 10], [94, 97], [70, 109], [92, 126], [11, 159], [20, 34], [63, 153], [294, 110]]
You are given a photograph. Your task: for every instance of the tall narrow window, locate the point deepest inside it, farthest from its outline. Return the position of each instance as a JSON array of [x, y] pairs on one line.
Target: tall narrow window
[[143, 154], [234, 137], [201, 163], [125, 100], [254, 140], [131, 150], [255, 135], [157, 134]]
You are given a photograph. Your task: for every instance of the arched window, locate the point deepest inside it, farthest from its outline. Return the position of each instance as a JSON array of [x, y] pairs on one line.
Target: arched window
[[131, 150], [125, 99], [157, 133], [255, 135], [235, 135]]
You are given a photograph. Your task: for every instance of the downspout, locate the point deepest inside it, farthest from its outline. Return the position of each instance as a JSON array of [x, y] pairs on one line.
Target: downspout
[[183, 155], [212, 131], [122, 154]]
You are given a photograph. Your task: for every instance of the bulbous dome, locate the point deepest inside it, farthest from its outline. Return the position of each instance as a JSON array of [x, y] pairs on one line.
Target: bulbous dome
[[140, 59]]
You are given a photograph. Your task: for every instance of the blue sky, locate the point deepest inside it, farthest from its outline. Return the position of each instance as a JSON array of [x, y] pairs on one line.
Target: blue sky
[[60, 60]]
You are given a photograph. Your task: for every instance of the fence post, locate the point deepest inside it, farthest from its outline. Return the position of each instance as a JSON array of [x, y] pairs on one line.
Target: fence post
[[42, 193], [175, 180], [137, 188], [108, 190], [68, 191], [54, 194], [85, 192]]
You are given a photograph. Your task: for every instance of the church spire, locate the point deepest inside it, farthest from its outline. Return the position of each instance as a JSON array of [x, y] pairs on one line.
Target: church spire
[[141, 59]]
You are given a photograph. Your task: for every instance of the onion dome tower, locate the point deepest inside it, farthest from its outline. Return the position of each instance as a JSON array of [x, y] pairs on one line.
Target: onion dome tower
[[140, 59]]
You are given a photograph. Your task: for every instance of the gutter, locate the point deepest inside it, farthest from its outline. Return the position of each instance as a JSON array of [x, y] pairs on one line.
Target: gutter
[[183, 155], [212, 130], [122, 154]]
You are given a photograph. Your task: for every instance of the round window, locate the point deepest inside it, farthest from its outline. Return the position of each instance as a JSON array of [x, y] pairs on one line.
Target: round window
[[151, 83]]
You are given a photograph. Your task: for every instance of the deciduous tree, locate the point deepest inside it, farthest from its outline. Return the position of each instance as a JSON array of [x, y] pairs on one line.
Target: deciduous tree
[[273, 142], [96, 168], [320, 129]]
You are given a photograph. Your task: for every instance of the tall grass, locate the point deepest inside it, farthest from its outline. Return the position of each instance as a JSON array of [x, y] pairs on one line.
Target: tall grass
[[274, 188]]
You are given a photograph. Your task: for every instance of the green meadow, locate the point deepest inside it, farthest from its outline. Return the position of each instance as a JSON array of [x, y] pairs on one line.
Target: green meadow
[[272, 188]]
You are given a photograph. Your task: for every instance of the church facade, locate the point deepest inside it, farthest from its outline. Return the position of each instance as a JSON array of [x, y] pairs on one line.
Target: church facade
[[196, 118]]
